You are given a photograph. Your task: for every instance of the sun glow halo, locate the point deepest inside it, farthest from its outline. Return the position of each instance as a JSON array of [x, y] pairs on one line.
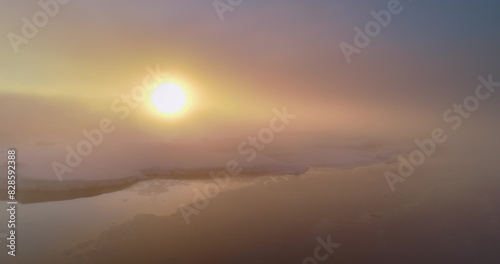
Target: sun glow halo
[[169, 98]]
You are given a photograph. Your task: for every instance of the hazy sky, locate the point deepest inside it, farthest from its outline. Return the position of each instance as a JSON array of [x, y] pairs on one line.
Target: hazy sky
[[264, 54]]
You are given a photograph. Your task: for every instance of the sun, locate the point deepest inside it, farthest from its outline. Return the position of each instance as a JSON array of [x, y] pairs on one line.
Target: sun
[[169, 98]]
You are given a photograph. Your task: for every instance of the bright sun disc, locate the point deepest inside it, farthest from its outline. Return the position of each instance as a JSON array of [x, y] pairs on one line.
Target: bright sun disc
[[168, 98]]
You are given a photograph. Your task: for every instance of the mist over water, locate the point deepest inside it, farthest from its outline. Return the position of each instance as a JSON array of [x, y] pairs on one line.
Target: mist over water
[[287, 149]]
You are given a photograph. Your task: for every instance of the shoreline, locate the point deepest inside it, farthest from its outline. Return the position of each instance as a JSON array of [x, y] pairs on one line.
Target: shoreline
[[49, 191]]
